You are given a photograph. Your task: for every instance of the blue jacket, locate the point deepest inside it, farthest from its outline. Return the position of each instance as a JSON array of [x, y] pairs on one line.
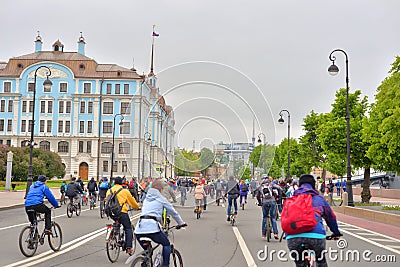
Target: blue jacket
[[153, 205], [36, 194], [321, 210]]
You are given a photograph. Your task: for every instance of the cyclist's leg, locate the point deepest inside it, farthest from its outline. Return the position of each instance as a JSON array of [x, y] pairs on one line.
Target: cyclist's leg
[[272, 214], [296, 250], [31, 215], [42, 208], [230, 199], [264, 219], [126, 222], [161, 238], [235, 206], [318, 246]]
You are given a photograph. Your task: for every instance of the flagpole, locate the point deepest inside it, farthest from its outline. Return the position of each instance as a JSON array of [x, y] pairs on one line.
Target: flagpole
[[152, 52]]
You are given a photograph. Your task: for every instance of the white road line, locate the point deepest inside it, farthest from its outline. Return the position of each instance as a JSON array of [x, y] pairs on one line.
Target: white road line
[[244, 248], [369, 231], [383, 240], [369, 234]]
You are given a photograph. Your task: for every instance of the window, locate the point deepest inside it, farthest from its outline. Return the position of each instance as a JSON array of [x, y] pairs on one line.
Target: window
[[9, 126], [124, 128], [67, 126], [105, 166], [63, 147], [10, 105], [68, 107], [81, 127], [2, 105], [45, 145], [89, 127], [42, 106], [107, 126], [60, 126], [87, 88], [90, 107], [108, 89], [117, 89], [108, 108], [23, 106], [30, 106], [80, 147], [125, 108], [7, 87], [23, 126], [41, 126], [124, 148], [126, 89], [83, 106], [89, 147], [115, 166], [49, 125], [61, 107], [1, 142], [63, 87], [31, 87], [124, 166], [25, 143], [8, 142], [1, 125], [50, 107], [30, 126], [106, 148]]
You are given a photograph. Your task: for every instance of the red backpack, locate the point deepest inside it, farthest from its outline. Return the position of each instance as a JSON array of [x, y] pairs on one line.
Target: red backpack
[[298, 215]]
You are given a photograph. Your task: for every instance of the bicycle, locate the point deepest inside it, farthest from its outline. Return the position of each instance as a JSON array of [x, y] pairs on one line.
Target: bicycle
[[242, 201], [146, 257], [268, 226], [102, 206], [85, 200], [310, 256], [63, 199], [232, 218], [115, 240], [73, 206], [29, 238], [92, 203]]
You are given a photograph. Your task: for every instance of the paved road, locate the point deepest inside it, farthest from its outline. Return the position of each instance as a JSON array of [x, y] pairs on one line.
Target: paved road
[[210, 241]]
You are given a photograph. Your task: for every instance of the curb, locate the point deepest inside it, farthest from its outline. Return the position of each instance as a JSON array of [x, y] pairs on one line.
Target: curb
[[12, 207], [371, 215]]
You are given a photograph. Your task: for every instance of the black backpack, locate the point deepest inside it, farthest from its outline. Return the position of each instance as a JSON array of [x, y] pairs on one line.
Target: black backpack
[[71, 190], [112, 207], [91, 186]]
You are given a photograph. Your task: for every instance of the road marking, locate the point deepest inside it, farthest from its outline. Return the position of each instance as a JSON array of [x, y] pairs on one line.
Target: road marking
[[391, 246], [369, 231], [64, 248], [244, 248], [369, 234], [383, 239]]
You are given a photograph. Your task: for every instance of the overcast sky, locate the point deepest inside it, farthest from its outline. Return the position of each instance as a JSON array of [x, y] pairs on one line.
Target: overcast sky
[[221, 63]]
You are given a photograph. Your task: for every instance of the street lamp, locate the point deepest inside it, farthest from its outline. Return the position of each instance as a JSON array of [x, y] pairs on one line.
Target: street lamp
[[281, 121], [333, 70], [113, 137], [47, 85], [263, 148], [259, 138], [148, 135]]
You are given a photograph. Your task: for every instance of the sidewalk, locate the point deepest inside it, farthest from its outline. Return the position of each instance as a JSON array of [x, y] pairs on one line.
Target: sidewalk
[[15, 199]]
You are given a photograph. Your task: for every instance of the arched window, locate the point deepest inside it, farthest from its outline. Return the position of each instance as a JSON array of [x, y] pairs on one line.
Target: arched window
[[45, 145], [124, 148], [25, 143], [63, 147], [106, 148]]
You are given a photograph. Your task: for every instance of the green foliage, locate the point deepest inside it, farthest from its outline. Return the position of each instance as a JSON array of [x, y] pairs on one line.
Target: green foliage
[[187, 162], [206, 159], [262, 156], [383, 127], [244, 173]]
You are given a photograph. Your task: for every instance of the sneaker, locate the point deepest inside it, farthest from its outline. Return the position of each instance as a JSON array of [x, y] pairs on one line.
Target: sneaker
[[276, 236], [228, 219], [48, 232], [129, 251]]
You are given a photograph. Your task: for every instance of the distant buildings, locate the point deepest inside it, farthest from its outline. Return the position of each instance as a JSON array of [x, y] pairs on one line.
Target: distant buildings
[[75, 117]]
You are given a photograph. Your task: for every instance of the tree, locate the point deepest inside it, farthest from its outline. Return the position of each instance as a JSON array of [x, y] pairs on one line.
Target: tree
[[244, 173], [186, 162], [206, 159], [382, 129], [262, 156]]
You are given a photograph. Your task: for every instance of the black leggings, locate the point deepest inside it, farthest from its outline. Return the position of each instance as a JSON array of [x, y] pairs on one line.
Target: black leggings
[[40, 208]]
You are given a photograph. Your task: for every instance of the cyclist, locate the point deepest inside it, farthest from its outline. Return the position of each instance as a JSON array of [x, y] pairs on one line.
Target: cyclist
[[92, 188], [244, 189], [168, 192], [103, 187], [124, 197], [63, 188], [149, 222], [199, 194], [314, 239], [266, 199], [74, 191], [232, 190], [34, 201]]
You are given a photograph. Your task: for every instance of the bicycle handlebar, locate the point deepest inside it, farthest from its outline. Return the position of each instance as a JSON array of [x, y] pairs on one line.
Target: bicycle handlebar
[[333, 237]]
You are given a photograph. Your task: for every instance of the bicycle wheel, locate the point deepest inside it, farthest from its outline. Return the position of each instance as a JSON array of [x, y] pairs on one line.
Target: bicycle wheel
[[133, 240], [112, 248], [78, 209], [28, 242], [141, 261], [268, 228], [70, 210], [176, 258], [102, 209], [55, 240]]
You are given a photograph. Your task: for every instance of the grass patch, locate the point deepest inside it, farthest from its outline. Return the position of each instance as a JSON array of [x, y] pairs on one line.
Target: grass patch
[[391, 207], [22, 185], [367, 204]]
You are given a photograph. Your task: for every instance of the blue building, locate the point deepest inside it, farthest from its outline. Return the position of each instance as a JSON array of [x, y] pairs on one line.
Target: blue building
[[76, 116]]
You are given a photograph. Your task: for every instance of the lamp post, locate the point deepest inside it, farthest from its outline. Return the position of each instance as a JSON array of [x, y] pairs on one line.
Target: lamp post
[[148, 135], [47, 85], [263, 148], [281, 120], [113, 138], [333, 70]]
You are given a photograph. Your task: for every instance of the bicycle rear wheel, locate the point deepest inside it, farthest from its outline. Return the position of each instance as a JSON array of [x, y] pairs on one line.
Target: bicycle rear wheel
[[176, 258], [70, 210], [55, 239], [112, 248], [141, 261], [28, 242], [268, 229]]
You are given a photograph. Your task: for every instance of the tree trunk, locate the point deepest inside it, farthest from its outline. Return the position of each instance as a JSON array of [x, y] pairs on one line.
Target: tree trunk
[[366, 193]]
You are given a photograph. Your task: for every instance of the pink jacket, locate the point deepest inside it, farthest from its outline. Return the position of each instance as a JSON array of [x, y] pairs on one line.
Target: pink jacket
[[199, 192]]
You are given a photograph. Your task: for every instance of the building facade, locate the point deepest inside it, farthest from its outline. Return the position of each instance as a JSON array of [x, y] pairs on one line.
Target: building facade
[[90, 110]]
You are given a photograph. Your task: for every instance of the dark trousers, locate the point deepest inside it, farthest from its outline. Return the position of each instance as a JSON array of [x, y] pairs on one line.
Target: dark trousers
[[126, 222], [40, 208], [159, 238], [315, 244], [232, 198]]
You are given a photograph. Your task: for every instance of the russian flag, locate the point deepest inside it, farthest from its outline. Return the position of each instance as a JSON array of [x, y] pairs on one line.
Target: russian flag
[[155, 34]]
